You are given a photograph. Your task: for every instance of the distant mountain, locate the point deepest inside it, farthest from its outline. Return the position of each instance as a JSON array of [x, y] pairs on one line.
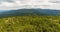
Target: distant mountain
[[29, 12]]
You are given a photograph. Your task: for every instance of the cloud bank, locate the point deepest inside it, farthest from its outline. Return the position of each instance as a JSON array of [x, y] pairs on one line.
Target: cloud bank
[[28, 4]]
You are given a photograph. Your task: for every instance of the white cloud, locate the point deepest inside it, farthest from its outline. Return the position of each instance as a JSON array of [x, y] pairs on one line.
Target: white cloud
[[19, 4]]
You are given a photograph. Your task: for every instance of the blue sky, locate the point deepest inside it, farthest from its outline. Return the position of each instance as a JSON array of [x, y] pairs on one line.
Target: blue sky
[[20, 4]]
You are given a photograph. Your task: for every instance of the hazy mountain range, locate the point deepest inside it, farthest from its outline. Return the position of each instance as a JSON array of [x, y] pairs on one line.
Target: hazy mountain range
[[28, 12]]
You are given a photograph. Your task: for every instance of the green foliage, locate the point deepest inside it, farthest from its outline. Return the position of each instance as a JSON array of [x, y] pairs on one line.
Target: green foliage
[[30, 24]]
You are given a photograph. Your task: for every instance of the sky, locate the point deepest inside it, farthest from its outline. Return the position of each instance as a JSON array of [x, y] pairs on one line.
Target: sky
[[28, 4]]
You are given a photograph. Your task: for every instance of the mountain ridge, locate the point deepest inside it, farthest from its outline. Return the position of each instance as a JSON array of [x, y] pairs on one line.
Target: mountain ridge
[[29, 11]]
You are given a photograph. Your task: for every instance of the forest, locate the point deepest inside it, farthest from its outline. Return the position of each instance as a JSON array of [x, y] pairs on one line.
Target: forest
[[30, 23]]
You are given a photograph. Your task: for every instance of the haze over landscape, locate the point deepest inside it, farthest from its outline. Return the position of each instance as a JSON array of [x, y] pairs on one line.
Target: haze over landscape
[[7, 7]]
